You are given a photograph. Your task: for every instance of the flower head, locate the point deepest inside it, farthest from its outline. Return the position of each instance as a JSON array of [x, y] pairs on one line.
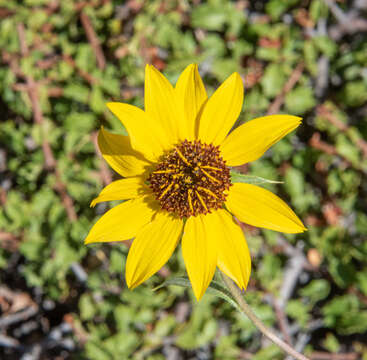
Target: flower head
[[175, 163]]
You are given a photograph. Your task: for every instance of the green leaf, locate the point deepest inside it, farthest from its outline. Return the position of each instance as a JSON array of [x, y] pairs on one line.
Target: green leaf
[[331, 343], [316, 290], [209, 17], [273, 80], [276, 8], [250, 179], [354, 93], [300, 100], [325, 45], [299, 311]]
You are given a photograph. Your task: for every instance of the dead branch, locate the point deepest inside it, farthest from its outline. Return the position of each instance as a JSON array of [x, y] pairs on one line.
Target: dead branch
[[9, 241], [318, 144], [319, 355], [292, 81], [93, 40], [89, 78], [282, 322], [325, 113]]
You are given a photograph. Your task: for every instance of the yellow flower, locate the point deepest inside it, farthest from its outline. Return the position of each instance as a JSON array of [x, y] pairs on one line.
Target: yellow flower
[[177, 183]]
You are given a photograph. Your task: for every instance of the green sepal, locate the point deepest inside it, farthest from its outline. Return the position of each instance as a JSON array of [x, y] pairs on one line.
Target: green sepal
[[237, 177]]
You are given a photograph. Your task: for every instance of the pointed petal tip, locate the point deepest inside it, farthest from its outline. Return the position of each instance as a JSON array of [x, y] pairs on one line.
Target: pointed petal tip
[[296, 120], [299, 120], [302, 228], [198, 295], [131, 281], [298, 230], [237, 77], [87, 241], [149, 68]]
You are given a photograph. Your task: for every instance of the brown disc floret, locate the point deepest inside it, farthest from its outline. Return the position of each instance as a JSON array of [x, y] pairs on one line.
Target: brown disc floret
[[192, 179]]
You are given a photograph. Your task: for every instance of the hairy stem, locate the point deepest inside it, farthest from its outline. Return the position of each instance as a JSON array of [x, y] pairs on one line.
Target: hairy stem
[[235, 291]]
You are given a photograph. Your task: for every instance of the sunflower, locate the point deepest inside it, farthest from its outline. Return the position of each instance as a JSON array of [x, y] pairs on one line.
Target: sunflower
[[176, 180]]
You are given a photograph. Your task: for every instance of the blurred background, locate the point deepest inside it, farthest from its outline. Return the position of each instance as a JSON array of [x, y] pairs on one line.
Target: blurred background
[[61, 61]]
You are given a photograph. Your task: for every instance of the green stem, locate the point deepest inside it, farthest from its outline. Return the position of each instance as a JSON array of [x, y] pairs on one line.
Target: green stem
[[235, 291]]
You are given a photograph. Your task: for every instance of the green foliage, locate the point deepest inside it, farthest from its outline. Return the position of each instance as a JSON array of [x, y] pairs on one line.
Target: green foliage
[[319, 170]]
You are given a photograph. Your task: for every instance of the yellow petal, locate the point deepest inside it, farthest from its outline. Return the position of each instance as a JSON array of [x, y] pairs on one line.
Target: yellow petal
[[123, 221], [191, 95], [250, 141], [152, 247], [199, 253], [233, 253], [123, 189], [160, 104], [256, 206], [119, 154], [146, 135], [221, 111]]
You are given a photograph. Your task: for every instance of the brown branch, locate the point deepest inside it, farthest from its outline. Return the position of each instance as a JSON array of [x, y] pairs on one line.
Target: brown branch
[[2, 196], [245, 355], [47, 63], [325, 113], [289, 85], [319, 355], [12, 61], [52, 7], [51, 91], [89, 78], [4, 12], [79, 6], [9, 241], [318, 144], [93, 40], [282, 322], [55, 91], [50, 161]]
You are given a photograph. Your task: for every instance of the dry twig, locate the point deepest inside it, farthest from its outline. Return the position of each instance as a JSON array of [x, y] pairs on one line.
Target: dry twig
[[89, 78], [292, 81], [325, 113], [282, 322], [318, 144], [319, 355], [93, 40]]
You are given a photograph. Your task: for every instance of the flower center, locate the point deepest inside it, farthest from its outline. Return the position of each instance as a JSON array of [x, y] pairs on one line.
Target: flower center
[[191, 179]]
